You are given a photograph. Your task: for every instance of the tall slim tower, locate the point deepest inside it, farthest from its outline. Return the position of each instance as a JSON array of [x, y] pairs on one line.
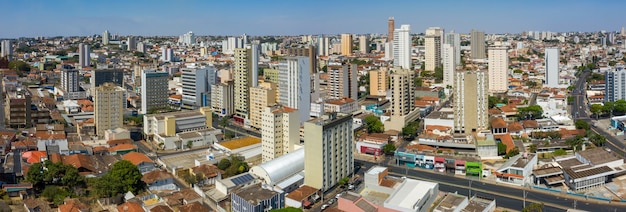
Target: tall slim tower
[[105, 37], [328, 150], [153, 90], [246, 71], [323, 44], [454, 39], [294, 85], [551, 60], [477, 44], [342, 81], [432, 48], [196, 83], [280, 133], [402, 47], [391, 25], [7, 49], [364, 44], [402, 95], [498, 66], [83, 55], [69, 79], [346, 44], [470, 101], [449, 64], [108, 106]]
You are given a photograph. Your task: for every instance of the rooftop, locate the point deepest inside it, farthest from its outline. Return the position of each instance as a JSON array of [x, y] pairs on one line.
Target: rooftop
[[588, 172], [301, 193], [598, 156], [255, 194], [240, 142], [450, 202], [410, 192]]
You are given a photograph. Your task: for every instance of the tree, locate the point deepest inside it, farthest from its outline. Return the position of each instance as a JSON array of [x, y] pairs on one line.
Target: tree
[[530, 112], [518, 71], [575, 143], [128, 175], [389, 148], [139, 54], [620, 107], [410, 130], [438, 74], [597, 139], [501, 148], [582, 124], [531, 84], [55, 194], [512, 152], [608, 107], [532, 148], [223, 164], [373, 124], [596, 109], [36, 175], [559, 152], [533, 207], [343, 181], [19, 66]]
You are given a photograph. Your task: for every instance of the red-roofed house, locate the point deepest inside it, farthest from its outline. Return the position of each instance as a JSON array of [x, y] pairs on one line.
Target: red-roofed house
[[122, 149], [34, 156], [142, 161]]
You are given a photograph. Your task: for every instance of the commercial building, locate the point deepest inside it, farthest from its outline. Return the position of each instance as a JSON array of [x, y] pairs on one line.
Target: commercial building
[[378, 82], [518, 169], [432, 48], [280, 128], [346, 44], [257, 198], [69, 79], [477, 44], [402, 47], [589, 168], [343, 105], [187, 39], [328, 150], [260, 97], [449, 64], [17, 106], [108, 104], [364, 44], [282, 172], [84, 52], [154, 89], [552, 61], [454, 39], [196, 83], [169, 124], [498, 67], [470, 101], [343, 81], [100, 76], [294, 85], [222, 98], [403, 108]]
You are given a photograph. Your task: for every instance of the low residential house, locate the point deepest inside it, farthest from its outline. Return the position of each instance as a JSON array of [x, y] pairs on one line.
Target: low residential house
[[122, 149], [74, 205], [161, 208], [7, 137], [438, 130], [182, 197], [116, 134], [140, 160], [302, 197], [37, 205], [24, 145], [194, 207], [52, 142], [208, 172], [116, 142], [158, 180], [498, 126], [90, 165], [18, 190], [79, 148], [130, 207]]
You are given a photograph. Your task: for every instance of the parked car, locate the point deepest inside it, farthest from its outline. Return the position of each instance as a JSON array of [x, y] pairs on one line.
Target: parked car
[[324, 206]]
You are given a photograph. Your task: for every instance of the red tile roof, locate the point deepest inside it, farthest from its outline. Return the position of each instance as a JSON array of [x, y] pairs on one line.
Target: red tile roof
[[130, 207], [122, 147], [498, 123], [507, 140], [34, 156], [156, 175], [137, 158]]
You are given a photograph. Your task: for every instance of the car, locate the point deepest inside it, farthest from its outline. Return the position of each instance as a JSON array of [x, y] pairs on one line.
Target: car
[[338, 195], [331, 201], [350, 186], [324, 206]]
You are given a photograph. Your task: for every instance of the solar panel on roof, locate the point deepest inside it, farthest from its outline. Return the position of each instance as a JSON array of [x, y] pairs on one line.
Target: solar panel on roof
[[242, 179]]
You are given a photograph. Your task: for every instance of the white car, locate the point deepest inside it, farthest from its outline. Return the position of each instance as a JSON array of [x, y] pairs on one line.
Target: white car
[[324, 206], [338, 195]]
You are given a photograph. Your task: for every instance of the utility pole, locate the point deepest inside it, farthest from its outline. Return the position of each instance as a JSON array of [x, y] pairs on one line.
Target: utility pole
[[525, 198], [470, 189]]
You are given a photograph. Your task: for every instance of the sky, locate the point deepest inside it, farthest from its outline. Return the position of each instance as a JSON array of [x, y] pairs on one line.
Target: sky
[[30, 18]]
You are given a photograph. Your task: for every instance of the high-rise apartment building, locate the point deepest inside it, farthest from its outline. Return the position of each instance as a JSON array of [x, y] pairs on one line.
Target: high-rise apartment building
[[328, 149], [108, 107], [245, 72], [105, 37], [222, 98], [323, 45], [378, 82], [83, 55], [402, 47], [551, 60], [280, 131], [167, 54], [141, 47], [260, 97], [391, 25], [131, 43], [187, 39], [402, 92], [7, 49], [615, 84], [112, 75], [454, 39], [17, 106], [195, 83], [154, 89], [294, 85], [343, 81], [449, 65], [346, 44], [470, 101], [498, 67], [432, 48], [69, 79], [364, 44], [477, 44]]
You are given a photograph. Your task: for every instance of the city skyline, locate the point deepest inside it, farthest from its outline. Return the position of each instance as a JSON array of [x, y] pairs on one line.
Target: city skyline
[[147, 18]]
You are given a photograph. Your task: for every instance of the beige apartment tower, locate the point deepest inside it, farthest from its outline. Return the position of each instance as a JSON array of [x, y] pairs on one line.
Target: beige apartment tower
[[260, 97], [477, 44], [378, 82], [280, 131], [346, 44], [432, 48], [470, 101], [242, 78], [403, 108], [498, 66], [328, 147], [108, 107]]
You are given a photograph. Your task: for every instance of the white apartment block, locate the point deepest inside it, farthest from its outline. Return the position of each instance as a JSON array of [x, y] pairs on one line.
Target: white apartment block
[[498, 67], [294, 85], [402, 47]]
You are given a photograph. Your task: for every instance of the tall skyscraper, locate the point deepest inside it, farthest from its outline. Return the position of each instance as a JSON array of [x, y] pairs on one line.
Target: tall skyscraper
[[477, 44], [470, 101], [343, 81], [141, 47], [449, 65], [195, 83], [69, 79], [346, 44], [260, 97], [187, 39], [498, 66], [280, 131], [328, 148], [154, 88], [454, 39], [364, 44], [402, 47], [551, 60], [323, 44], [7, 48], [245, 72], [105, 37], [294, 85], [108, 107], [432, 48], [391, 25], [131, 43], [378, 82], [83, 55]]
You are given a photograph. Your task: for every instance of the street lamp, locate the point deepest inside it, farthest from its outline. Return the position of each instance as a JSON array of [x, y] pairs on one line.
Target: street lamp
[[470, 189]]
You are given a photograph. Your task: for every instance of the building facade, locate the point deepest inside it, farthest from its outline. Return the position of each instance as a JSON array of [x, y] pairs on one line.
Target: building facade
[[551, 60], [7, 49], [364, 44], [154, 90], [260, 97], [244, 78], [294, 85], [342, 81], [477, 44], [449, 64], [346, 44], [195, 83], [402, 47], [108, 104], [280, 131], [100, 76], [454, 39], [615, 85], [498, 67], [84, 59], [222, 98], [432, 48], [378, 82], [470, 101], [69, 79]]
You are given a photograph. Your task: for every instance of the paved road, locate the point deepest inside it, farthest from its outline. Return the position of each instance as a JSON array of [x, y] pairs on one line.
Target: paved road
[[505, 196], [579, 108]]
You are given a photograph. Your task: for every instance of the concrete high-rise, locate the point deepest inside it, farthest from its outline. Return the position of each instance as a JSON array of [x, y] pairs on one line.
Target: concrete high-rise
[[498, 67], [244, 76], [343, 81], [167, 54], [108, 107], [154, 89], [100, 76], [187, 39], [7, 49], [470, 101], [83, 55], [551, 59], [260, 97], [222, 98], [328, 149], [69, 79], [196, 83], [449, 65], [477, 44], [454, 39], [294, 85], [364, 44], [403, 108], [402, 47], [105, 37], [391, 25], [378, 82], [131, 43], [323, 44], [432, 48], [280, 131], [346, 44]]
